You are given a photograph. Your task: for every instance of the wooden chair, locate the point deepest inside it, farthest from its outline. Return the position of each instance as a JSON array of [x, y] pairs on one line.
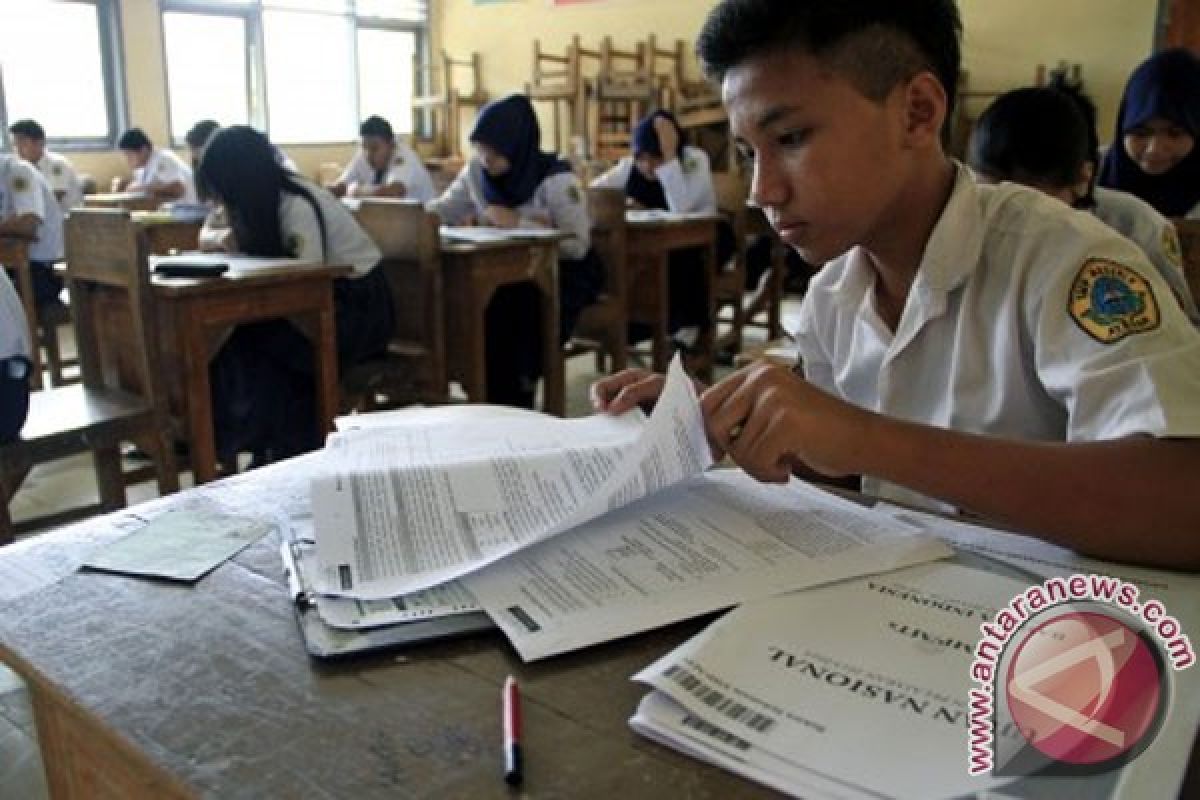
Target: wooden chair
[[1189, 242], [666, 67], [414, 367], [603, 326], [625, 92], [45, 321], [435, 94], [560, 81], [121, 398]]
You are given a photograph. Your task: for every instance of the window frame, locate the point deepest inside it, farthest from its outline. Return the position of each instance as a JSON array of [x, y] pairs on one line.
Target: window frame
[[252, 11], [116, 101]]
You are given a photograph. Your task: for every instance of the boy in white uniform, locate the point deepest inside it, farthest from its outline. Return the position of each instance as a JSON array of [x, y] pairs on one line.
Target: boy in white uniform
[[384, 167], [984, 346], [29, 139], [156, 171], [14, 362], [28, 208]]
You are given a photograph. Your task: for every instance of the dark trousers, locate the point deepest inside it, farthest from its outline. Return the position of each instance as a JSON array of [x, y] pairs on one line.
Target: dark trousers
[[685, 279], [262, 379], [14, 397], [46, 285], [514, 333]]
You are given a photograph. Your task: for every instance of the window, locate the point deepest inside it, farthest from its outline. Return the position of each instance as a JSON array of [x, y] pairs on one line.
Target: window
[[322, 66], [73, 98]]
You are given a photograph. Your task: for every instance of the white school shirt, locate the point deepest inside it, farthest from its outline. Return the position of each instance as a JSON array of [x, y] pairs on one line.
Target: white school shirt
[[165, 167], [23, 190], [1136, 219], [345, 241], [406, 168], [62, 177], [987, 342], [559, 197], [14, 330], [687, 181]]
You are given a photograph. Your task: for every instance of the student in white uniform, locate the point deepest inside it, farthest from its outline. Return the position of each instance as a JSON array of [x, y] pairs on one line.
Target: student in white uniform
[[29, 139], [667, 174], [982, 345], [156, 170], [509, 182], [15, 366], [384, 167], [263, 384], [28, 207], [1042, 137]]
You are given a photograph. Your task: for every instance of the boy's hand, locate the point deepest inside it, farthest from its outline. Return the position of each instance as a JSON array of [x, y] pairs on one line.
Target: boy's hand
[[770, 421]]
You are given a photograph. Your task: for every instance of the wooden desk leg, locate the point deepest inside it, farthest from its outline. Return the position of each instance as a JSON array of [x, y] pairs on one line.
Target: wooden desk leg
[[321, 330], [554, 382], [661, 343], [708, 336], [195, 350], [474, 327]]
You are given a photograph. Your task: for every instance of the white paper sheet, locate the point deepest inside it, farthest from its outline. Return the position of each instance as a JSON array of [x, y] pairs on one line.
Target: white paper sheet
[[654, 214], [865, 681], [480, 233], [409, 507], [709, 543]]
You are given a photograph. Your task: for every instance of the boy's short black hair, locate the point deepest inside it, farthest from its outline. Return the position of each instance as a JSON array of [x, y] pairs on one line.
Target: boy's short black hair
[[1031, 135], [875, 44], [28, 127], [200, 133], [134, 139], [377, 126], [1087, 108]]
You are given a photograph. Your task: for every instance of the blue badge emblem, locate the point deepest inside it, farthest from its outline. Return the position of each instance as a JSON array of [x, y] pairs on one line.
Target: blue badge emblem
[[1110, 301]]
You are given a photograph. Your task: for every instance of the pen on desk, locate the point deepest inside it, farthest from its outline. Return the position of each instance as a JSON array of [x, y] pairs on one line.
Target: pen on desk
[[512, 732]]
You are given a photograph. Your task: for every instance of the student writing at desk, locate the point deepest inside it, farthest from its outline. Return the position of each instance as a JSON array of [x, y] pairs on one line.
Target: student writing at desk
[[156, 171], [384, 167], [29, 140], [14, 362], [666, 173], [1154, 153], [982, 346], [509, 182], [28, 208], [262, 379]]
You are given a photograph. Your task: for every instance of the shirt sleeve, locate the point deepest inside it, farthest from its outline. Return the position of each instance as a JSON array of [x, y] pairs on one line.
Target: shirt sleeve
[[615, 178], [23, 182], [687, 183], [812, 361], [1166, 254], [350, 175], [458, 201], [567, 204], [412, 173], [301, 230], [1111, 345]]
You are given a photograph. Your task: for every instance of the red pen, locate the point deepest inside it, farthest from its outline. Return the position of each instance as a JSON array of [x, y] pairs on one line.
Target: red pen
[[512, 732]]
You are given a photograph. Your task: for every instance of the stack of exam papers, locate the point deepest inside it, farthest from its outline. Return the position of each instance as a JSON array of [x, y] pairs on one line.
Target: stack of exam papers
[[466, 508]]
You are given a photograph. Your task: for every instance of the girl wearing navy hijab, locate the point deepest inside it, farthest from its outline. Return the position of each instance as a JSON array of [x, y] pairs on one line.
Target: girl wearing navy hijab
[[1154, 154], [509, 183], [667, 174]]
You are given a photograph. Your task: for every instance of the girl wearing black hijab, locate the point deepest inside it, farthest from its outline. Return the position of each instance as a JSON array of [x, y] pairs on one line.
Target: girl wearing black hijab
[[511, 183], [262, 379], [1155, 154]]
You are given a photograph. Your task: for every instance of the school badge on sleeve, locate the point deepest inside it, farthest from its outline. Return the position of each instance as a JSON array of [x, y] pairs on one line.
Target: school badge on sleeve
[[19, 184], [1110, 301], [1170, 245]]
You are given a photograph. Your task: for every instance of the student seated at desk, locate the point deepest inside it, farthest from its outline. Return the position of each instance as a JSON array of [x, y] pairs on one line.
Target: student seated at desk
[[28, 208], [1154, 154], [156, 171], [666, 173], [384, 167], [29, 140], [1044, 138], [15, 366], [263, 384], [508, 183], [984, 347]]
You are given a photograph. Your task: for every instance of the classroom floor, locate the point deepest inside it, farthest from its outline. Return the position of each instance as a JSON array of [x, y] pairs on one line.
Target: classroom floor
[[71, 482]]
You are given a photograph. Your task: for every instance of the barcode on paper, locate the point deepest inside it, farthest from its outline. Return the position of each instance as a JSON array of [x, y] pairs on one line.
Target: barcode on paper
[[719, 701], [697, 724]]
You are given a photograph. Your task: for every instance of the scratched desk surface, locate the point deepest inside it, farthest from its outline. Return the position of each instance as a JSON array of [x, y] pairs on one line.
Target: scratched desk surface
[[207, 690]]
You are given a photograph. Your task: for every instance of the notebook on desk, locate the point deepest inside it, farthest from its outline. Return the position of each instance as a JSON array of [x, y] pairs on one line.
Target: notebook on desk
[[340, 627]]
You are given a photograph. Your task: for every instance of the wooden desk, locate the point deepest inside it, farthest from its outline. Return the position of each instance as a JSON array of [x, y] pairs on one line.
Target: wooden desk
[[166, 235], [129, 201], [195, 316], [473, 271], [650, 244]]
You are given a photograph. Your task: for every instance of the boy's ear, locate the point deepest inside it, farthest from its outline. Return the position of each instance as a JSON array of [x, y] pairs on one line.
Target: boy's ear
[[925, 108]]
